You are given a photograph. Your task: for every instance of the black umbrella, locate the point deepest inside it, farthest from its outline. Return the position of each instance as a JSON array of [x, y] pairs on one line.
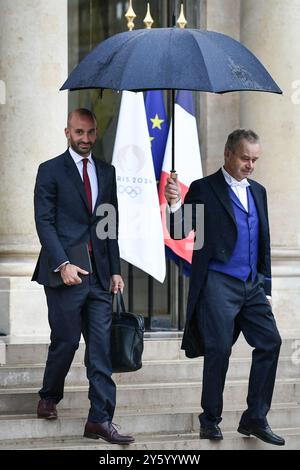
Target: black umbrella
[[171, 58]]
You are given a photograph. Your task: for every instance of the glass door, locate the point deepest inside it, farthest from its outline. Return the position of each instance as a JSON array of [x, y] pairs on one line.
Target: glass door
[[90, 22]]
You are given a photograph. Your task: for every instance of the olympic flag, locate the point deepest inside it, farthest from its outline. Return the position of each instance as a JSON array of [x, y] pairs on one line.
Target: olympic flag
[[141, 237]]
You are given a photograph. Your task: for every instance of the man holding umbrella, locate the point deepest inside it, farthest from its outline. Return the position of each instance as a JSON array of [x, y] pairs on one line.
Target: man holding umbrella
[[230, 286], [216, 63]]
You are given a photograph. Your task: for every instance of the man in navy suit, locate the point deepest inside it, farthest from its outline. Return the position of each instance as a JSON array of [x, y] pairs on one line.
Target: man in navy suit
[[68, 191], [230, 284]]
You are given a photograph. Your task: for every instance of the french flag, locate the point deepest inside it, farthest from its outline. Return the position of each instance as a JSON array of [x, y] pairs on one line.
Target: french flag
[[188, 167]]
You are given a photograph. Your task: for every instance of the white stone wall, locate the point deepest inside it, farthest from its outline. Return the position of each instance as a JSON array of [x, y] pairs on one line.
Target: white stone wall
[[271, 30], [33, 66], [219, 113]]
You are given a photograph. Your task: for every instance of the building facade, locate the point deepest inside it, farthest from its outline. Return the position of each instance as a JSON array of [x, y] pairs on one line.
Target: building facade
[[42, 41]]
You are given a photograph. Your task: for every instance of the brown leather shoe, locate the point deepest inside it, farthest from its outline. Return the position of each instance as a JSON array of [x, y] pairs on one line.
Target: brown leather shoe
[[106, 431], [47, 409]]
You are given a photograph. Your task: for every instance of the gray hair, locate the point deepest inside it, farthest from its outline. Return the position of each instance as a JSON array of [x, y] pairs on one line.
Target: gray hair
[[236, 136]]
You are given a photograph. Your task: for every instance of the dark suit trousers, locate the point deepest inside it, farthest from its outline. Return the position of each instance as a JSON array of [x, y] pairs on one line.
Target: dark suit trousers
[[82, 308], [225, 300]]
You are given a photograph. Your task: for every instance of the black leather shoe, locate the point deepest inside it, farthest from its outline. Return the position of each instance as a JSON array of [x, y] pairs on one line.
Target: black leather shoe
[[264, 433], [106, 431], [211, 432]]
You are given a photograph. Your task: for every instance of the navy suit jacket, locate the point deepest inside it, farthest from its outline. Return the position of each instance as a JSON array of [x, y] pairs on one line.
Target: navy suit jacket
[[62, 217], [220, 234]]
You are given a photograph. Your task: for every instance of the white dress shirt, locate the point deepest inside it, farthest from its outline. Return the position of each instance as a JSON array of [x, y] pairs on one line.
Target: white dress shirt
[[91, 169], [92, 172], [238, 187]]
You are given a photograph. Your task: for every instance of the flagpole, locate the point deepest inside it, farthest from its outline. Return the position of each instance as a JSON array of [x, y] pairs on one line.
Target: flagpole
[[173, 171], [130, 16], [181, 281], [148, 21], [182, 23]]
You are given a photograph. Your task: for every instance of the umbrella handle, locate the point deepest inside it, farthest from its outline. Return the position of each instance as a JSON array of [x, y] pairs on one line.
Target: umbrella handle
[[173, 176]]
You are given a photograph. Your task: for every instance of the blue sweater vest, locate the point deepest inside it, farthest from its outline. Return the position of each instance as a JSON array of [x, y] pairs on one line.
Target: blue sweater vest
[[244, 258]]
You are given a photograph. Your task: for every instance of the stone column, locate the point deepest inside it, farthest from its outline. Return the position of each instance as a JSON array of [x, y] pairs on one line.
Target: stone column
[[270, 29], [219, 114], [33, 65]]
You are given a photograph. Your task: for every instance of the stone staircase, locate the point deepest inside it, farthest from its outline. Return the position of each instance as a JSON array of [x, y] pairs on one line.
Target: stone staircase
[[158, 404]]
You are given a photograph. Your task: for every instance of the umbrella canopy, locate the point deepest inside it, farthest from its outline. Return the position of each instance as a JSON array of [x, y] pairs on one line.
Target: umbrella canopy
[[171, 58]]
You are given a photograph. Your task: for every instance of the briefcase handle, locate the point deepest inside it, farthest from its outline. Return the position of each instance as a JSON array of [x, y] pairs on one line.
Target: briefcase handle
[[120, 303]]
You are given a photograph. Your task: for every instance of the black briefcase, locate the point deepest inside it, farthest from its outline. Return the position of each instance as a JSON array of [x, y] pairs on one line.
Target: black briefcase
[[127, 338]]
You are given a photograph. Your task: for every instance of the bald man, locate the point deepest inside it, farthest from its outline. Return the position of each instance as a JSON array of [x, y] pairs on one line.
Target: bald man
[[68, 191]]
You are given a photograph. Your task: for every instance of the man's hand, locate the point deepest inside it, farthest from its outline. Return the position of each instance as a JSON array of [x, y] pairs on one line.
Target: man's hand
[[172, 191], [117, 283], [69, 274]]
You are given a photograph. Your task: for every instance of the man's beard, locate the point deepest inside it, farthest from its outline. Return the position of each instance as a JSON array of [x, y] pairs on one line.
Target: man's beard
[[81, 151]]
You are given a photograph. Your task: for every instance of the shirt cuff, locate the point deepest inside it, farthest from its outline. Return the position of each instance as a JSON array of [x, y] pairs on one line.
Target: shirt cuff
[[60, 266], [174, 207], [269, 297]]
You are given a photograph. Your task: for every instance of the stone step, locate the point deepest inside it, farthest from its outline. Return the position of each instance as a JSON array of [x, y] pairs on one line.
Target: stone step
[[32, 352], [24, 400], [155, 420], [165, 441], [179, 370], [27, 350]]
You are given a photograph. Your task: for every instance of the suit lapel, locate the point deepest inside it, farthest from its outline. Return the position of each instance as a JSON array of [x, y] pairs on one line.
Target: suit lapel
[[258, 200], [236, 200], [219, 185], [73, 174]]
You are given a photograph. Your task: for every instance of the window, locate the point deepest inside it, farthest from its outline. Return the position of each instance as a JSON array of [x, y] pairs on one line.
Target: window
[[90, 22]]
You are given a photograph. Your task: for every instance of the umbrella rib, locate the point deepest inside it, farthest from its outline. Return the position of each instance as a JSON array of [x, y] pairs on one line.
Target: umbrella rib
[[129, 55], [124, 44], [194, 39], [221, 50]]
